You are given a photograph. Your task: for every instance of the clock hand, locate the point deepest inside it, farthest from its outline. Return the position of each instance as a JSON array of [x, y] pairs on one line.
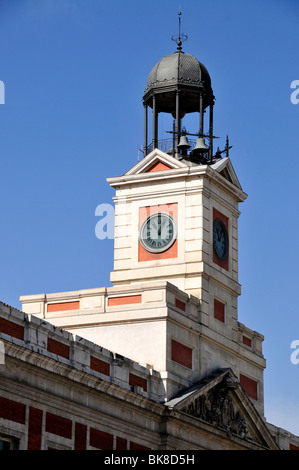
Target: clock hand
[[160, 225], [154, 224]]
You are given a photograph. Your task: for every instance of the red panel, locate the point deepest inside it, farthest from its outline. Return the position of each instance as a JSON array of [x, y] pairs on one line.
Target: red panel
[[12, 329], [247, 341], [58, 348], [181, 305], [181, 354], [219, 310], [135, 446], [126, 299], [80, 436], [58, 307], [101, 440], [216, 260], [35, 429], [121, 444], [134, 380], [99, 366], [249, 385], [293, 447], [159, 166], [58, 425], [144, 212], [12, 410]]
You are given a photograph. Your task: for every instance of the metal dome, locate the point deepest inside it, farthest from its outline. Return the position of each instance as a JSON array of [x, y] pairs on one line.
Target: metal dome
[[178, 72], [179, 68]]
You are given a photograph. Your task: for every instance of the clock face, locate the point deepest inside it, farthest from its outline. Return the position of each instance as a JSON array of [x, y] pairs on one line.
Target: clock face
[[220, 239], [158, 232]]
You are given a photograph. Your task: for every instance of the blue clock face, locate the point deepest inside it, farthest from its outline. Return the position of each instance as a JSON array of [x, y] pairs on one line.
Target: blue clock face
[[158, 232], [220, 239]]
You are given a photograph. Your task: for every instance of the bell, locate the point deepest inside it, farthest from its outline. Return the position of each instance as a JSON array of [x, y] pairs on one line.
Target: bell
[[200, 146], [183, 143]]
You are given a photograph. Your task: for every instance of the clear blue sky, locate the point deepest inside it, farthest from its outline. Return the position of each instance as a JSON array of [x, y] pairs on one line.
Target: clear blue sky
[[74, 74]]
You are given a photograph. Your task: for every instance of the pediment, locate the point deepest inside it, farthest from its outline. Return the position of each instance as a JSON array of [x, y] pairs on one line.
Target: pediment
[[159, 165], [156, 161], [225, 168], [221, 401]]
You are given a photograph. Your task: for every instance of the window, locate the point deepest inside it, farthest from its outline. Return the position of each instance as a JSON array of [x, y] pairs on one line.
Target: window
[[8, 443]]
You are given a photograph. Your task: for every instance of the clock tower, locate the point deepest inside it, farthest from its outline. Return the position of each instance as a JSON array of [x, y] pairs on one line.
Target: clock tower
[[176, 211], [176, 221], [173, 304]]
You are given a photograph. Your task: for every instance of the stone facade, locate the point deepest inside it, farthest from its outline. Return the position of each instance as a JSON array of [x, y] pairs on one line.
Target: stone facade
[[60, 391], [151, 330]]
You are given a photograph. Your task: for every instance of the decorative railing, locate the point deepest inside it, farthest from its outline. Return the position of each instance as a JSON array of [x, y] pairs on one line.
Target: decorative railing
[[166, 145]]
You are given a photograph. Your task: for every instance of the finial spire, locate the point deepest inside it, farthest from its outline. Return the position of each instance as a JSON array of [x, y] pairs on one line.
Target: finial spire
[[179, 38]]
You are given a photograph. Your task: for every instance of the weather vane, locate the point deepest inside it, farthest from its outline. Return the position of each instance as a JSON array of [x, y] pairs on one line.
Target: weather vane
[[179, 38]]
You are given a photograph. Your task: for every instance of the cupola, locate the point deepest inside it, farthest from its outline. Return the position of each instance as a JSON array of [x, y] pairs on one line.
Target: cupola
[[178, 85]]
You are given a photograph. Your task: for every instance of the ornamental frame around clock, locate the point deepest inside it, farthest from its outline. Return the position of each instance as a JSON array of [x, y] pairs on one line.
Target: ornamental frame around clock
[[158, 249]]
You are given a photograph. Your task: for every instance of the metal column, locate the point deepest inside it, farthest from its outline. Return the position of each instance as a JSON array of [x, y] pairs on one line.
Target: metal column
[[155, 123], [177, 115], [201, 111], [145, 131], [211, 130]]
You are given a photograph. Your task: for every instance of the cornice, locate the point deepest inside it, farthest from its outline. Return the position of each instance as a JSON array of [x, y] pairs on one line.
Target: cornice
[[200, 171], [50, 364]]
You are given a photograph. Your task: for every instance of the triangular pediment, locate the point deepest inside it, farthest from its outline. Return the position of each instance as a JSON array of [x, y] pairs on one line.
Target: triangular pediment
[[159, 165], [221, 401], [225, 168], [156, 161]]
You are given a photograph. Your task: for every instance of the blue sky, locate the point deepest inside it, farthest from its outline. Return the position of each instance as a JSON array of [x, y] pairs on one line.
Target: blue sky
[[74, 73]]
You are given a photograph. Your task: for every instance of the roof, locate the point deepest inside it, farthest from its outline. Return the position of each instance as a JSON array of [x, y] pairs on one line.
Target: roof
[[181, 68]]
